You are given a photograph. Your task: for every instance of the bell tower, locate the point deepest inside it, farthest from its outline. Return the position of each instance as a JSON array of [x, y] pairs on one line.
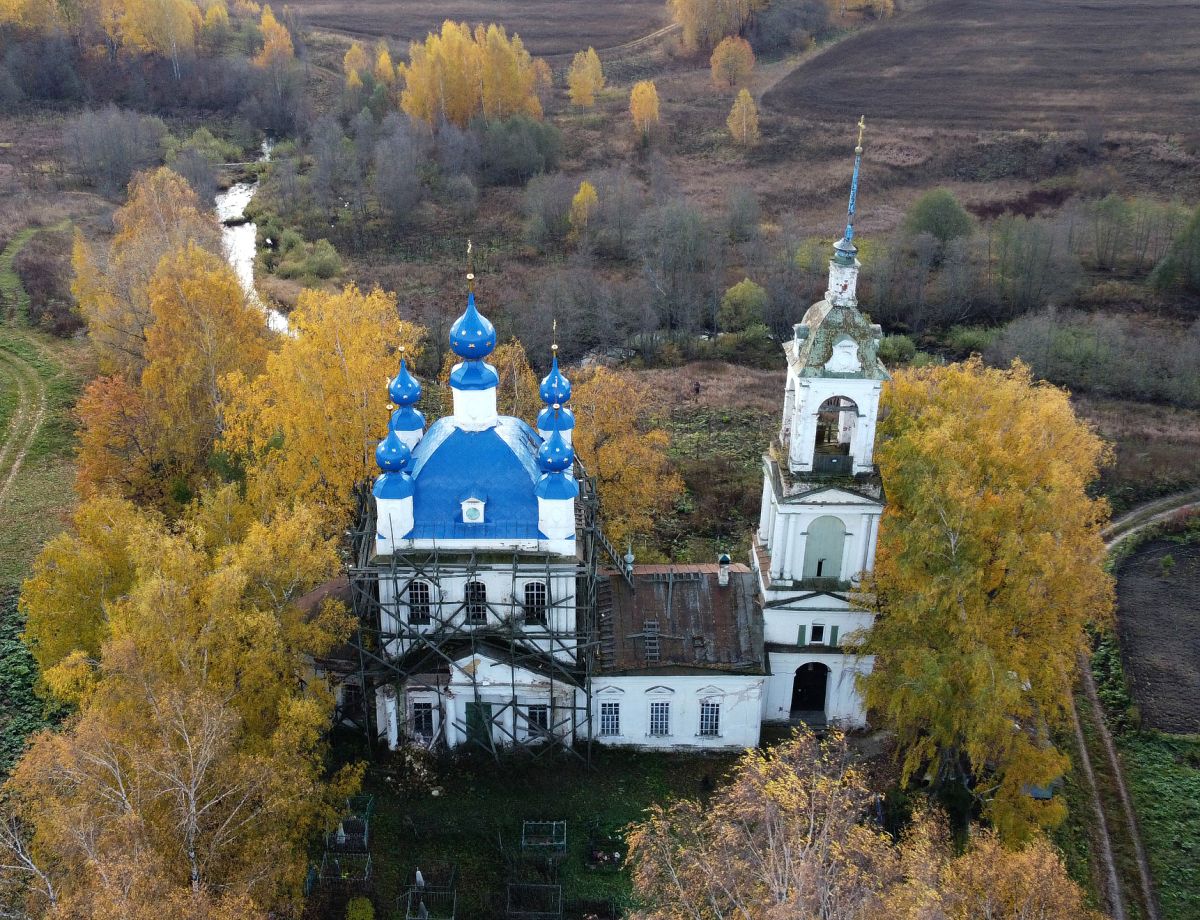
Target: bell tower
[[822, 499]]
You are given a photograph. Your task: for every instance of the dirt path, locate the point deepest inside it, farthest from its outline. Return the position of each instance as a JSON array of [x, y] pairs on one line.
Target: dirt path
[[1124, 526], [26, 420]]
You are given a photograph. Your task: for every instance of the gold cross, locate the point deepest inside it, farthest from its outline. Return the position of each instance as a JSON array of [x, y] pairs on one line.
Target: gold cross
[[862, 124]]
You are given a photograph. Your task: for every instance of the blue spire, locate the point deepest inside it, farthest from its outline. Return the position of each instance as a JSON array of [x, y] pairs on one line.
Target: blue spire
[[472, 336], [404, 388], [844, 249], [555, 455], [555, 388]]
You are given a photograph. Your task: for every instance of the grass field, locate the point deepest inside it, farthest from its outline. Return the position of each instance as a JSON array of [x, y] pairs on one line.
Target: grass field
[[546, 28], [1038, 64]]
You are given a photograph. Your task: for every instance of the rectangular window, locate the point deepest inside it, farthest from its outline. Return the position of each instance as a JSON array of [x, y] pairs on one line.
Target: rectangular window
[[422, 720], [535, 603], [610, 719], [660, 718], [538, 717], [710, 719], [476, 603], [650, 632], [418, 603], [818, 634]]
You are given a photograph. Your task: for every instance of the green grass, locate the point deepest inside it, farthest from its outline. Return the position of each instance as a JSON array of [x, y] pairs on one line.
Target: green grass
[[21, 712], [1163, 774], [482, 805], [1073, 836]]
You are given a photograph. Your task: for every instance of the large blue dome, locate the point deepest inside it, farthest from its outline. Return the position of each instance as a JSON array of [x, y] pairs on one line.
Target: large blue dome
[[472, 335]]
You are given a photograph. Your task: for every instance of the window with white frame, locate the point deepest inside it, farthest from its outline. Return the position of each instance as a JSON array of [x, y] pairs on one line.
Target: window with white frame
[[610, 719], [817, 637], [476, 603], [535, 602], [710, 718], [418, 603], [538, 717], [660, 718], [422, 720]]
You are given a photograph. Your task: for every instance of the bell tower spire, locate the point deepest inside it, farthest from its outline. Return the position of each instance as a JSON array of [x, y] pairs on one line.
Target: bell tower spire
[[844, 266]]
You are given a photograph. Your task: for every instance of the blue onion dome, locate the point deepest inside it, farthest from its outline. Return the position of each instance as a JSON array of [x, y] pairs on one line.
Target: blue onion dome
[[555, 455], [404, 389], [474, 375], [392, 454], [555, 388], [556, 486], [472, 335], [566, 419]]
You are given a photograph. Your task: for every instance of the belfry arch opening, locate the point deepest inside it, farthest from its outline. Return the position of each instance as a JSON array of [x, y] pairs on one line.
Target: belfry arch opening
[[824, 546], [837, 420]]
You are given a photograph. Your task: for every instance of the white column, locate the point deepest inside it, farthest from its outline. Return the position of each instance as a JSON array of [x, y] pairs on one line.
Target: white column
[[864, 537], [391, 717], [778, 543], [872, 539], [764, 516]]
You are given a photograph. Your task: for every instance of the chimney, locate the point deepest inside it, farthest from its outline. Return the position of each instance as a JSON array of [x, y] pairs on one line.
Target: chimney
[[723, 563], [629, 561]]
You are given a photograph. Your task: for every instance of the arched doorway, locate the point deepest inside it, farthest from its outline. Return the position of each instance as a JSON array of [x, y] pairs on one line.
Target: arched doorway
[[824, 546], [809, 688]]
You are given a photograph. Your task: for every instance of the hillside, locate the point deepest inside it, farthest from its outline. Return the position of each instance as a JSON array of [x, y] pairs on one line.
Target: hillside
[[1037, 64]]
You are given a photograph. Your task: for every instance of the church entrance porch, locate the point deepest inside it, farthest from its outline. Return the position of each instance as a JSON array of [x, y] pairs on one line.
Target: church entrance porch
[[809, 688]]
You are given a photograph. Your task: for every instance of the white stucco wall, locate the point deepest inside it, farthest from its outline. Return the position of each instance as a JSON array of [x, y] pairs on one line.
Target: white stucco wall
[[783, 530], [738, 696], [843, 705], [811, 392]]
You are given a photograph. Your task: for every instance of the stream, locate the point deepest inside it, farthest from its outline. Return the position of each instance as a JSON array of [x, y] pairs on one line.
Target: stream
[[239, 239]]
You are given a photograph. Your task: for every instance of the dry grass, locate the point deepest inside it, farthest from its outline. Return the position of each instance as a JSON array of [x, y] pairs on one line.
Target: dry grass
[[1040, 64], [564, 26]]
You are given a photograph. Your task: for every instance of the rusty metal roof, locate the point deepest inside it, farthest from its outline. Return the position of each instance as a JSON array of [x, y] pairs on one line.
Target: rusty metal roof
[[679, 619]]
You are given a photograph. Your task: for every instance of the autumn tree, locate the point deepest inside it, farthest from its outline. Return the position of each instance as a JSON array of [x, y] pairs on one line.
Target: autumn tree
[[743, 120], [585, 78], [113, 288], [743, 305], [456, 75], [164, 27], [790, 836], [583, 206], [987, 570], [308, 424], [706, 22], [643, 107], [385, 69], [616, 443], [193, 768], [277, 53], [732, 62], [355, 62]]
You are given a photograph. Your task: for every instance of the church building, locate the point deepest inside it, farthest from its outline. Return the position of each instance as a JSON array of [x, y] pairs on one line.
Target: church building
[[494, 613]]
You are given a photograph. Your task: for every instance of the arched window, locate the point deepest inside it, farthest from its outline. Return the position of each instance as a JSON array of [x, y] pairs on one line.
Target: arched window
[[476, 603], [535, 602], [418, 603], [837, 419], [823, 548]]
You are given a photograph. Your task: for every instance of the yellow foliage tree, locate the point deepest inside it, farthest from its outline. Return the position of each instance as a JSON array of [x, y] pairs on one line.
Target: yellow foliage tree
[[628, 458], [585, 78], [732, 62], [385, 69], [35, 15], [988, 569], [786, 838], [164, 27], [643, 106], [277, 48], [355, 61], [583, 205], [743, 120], [162, 214], [706, 22], [308, 425], [456, 75]]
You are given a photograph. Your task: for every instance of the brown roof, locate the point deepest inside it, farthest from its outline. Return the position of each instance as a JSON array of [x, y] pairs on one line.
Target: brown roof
[[337, 588], [682, 611]]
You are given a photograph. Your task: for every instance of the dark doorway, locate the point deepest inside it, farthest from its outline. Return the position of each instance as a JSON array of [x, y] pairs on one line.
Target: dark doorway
[[479, 724], [808, 688]]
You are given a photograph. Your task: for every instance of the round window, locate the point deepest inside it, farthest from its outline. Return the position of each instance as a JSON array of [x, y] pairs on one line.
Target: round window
[[472, 514]]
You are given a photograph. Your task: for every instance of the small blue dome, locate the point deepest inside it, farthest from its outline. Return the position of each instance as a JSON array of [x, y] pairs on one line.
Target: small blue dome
[[392, 454], [566, 419], [404, 389], [474, 375], [393, 485], [472, 335], [555, 387], [556, 486], [555, 454], [406, 418]]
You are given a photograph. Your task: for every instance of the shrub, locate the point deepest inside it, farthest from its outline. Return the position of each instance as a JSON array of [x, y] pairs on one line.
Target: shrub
[[744, 305], [44, 268], [360, 909], [939, 214], [970, 339], [517, 148], [107, 147], [896, 349], [548, 209], [323, 261]]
